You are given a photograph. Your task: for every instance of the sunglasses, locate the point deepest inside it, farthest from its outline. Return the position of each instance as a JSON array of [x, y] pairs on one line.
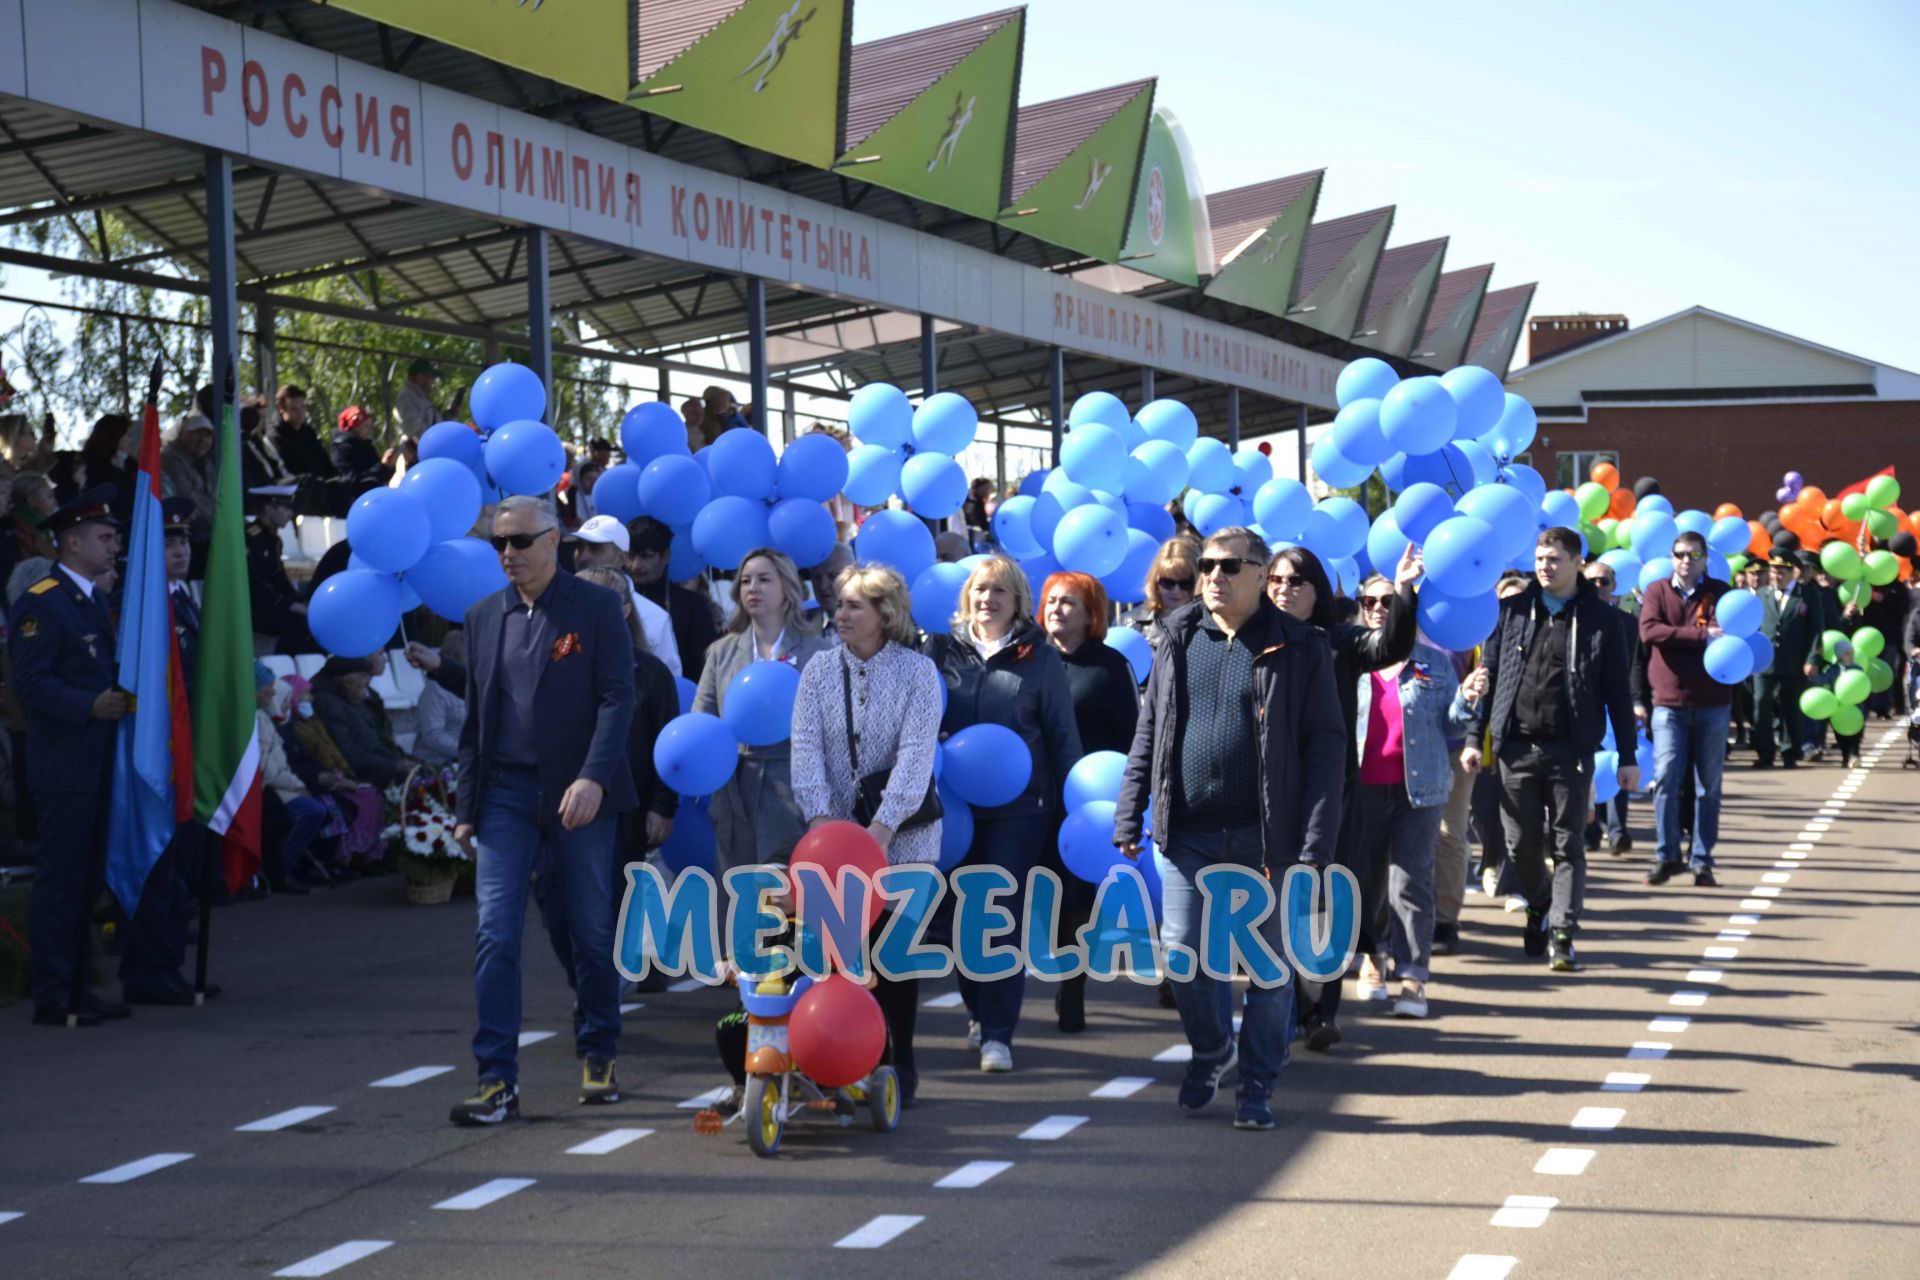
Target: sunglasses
[[1605, 584], [518, 541], [1174, 584], [1374, 602], [1229, 565], [1686, 555]]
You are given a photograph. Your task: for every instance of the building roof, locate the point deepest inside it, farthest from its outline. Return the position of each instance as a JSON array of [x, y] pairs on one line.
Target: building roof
[[1454, 291], [1496, 334], [1046, 133], [883, 76], [1398, 270], [1331, 241], [1244, 212], [668, 28]]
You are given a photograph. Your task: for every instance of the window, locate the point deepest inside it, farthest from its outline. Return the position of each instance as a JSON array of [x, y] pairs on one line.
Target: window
[[1577, 468]]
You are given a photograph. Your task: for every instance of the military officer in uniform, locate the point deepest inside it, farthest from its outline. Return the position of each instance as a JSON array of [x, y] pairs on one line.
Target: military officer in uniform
[[176, 516], [1792, 616], [279, 615]]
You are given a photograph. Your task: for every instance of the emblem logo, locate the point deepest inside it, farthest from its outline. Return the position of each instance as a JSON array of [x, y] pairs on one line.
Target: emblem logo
[[1156, 206]]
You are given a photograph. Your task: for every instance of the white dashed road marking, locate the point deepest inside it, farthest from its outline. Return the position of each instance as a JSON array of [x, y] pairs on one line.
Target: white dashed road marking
[[951, 1000], [1175, 1053], [534, 1037], [1721, 953], [882, 1229], [486, 1193], [1122, 1087], [1524, 1211], [973, 1173], [405, 1078], [1564, 1162], [1645, 1049], [1669, 1024], [324, 1264], [706, 1099], [1598, 1117], [1704, 975], [611, 1140], [1482, 1266], [1688, 999], [283, 1120], [1624, 1082], [1053, 1127], [685, 985], [139, 1168], [8, 1216]]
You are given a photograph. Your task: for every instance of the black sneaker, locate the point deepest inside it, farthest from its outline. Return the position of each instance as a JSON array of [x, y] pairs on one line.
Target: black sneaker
[[1664, 871], [1070, 1005], [1703, 878], [1322, 1036], [1202, 1084], [1256, 1108], [598, 1083], [1446, 939], [1623, 843], [1533, 935], [493, 1102], [1766, 762], [1560, 957]]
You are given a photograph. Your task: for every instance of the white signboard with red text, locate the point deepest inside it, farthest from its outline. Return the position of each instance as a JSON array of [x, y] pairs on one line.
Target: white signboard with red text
[[189, 76]]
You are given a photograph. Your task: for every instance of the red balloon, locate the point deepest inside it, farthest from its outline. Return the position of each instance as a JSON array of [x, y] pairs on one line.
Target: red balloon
[[1266, 448], [831, 846], [837, 1032]]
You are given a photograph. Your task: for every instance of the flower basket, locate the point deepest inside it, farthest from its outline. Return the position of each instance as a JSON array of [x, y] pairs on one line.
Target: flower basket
[[429, 893], [430, 859]]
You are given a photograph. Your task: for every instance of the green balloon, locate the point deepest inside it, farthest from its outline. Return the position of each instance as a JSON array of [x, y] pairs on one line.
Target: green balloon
[[1840, 560], [1818, 703], [1829, 642], [1880, 567], [1852, 687], [1623, 536], [1736, 563], [1882, 491], [1853, 506], [1593, 499], [1597, 541], [1882, 524], [1880, 675], [1848, 721], [1868, 643], [1855, 593]]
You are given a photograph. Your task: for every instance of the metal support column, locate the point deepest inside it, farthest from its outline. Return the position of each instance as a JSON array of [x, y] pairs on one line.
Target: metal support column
[[266, 356], [757, 350], [790, 427], [1146, 386], [1233, 418], [540, 315], [929, 363], [1300, 443], [1000, 456], [1057, 396]]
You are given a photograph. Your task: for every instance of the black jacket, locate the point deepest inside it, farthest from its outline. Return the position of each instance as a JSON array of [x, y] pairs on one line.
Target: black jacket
[[656, 700], [693, 629], [270, 592], [358, 461], [1302, 734], [301, 450], [1106, 698], [1599, 671], [359, 730], [1024, 687]]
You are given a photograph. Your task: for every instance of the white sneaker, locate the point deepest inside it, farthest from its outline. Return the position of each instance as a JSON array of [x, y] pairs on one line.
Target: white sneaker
[[1413, 1000], [1373, 983], [973, 1035], [1515, 903], [1490, 881], [995, 1056]]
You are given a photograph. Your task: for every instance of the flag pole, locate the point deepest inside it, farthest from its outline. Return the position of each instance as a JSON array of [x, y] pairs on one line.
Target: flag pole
[[209, 850]]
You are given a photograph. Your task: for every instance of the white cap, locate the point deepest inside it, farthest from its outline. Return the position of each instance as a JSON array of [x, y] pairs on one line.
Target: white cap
[[603, 529]]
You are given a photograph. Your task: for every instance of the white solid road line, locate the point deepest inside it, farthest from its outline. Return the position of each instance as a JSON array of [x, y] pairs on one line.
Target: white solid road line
[[1647, 1049], [1524, 1211], [1598, 1117], [405, 1078], [706, 1099], [950, 1000], [1565, 1162], [323, 1264], [283, 1120], [534, 1037], [974, 1173], [611, 1140], [882, 1229], [486, 1193], [1624, 1082], [139, 1168], [1122, 1087], [1482, 1266], [1052, 1127]]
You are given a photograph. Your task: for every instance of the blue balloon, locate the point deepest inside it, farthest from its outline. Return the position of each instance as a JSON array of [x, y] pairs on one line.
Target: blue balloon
[[1095, 777], [1095, 456], [758, 705], [1658, 569], [813, 467], [455, 575], [898, 539], [1526, 479], [683, 558], [933, 485], [1509, 510], [355, 612], [1419, 508], [1513, 433], [454, 440], [1212, 512], [673, 490], [1037, 571], [1112, 502], [617, 492], [1128, 583], [687, 691], [1091, 539], [653, 429], [1446, 468], [1694, 521], [1463, 557], [804, 530], [988, 765], [880, 414], [1136, 649], [1718, 568], [1057, 497], [1385, 542], [1606, 776], [1337, 527], [1479, 459], [1762, 652], [1418, 416], [1559, 509], [944, 423], [1653, 534], [1729, 660], [1654, 502], [936, 596], [524, 457], [1729, 535], [1356, 433], [873, 474], [1252, 469], [1282, 506], [1478, 396], [1171, 421], [504, 393], [1033, 484], [1013, 528], [1103, 407], [1154, 521], [447, 492], [1364, 379], [742, 464], [1457, 623], [696, 753], [1335, 468], [1738, 612], [729, 527], [691, 843], [390, 530], [1210, 466], [1344, 572], [703, 458], [1626, 568], [1086, 841], [956, 828], [1155, 473]]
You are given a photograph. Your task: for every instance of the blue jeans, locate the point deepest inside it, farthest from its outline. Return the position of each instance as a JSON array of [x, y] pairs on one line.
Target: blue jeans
[[1688, 738], [1206, 1003], [306, 818], [516, 839], [1016, 844]]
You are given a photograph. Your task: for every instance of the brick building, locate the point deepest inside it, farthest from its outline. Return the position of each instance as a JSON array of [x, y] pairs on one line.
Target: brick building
[[1714, 407]]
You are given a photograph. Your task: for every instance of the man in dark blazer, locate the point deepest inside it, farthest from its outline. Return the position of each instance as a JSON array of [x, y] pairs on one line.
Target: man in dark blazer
[[543, 777], [1792, 617]]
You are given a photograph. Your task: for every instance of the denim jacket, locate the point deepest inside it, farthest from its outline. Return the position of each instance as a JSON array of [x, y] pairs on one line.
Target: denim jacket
[[1429, 711]]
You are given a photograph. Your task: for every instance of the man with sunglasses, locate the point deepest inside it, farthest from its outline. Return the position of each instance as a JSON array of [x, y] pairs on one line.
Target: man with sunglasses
[[542, 779], [1691, 709], [1240, 742]]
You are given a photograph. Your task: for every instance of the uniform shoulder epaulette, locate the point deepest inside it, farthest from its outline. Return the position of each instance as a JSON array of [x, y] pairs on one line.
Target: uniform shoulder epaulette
[[43, 586]]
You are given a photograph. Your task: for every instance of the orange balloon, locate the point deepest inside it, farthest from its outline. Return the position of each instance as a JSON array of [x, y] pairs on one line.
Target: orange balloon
[[1605, 474], [1726, 509], [1761, 542], [1906, 568], [1832, 516], [1621, 504], [1913, 519], [1813, 496]]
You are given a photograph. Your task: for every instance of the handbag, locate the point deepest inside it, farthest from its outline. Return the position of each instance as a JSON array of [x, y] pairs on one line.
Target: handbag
[[870, 789]]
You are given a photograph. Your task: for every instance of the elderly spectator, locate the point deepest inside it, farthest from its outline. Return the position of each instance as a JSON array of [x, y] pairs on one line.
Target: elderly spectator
[[190, 468], [292, 819], [441, 713], [354, 457], [279, 615], [413, 409], [31, 501], [357, 722], [356, 814]]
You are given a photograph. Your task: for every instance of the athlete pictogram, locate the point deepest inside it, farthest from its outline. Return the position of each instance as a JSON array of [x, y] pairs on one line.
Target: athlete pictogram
[[786, 29], [957, 122], [1097, 171]]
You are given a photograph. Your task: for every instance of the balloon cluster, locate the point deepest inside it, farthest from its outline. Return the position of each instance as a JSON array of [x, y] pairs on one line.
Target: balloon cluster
[[1866, 675], [1086, 837]]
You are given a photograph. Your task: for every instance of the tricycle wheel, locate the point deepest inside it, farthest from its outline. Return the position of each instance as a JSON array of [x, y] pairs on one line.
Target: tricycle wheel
[[883, 1100], [766, 1120]]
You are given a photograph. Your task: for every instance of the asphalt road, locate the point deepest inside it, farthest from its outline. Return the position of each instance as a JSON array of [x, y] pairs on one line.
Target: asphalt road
[[1669, 1111]]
